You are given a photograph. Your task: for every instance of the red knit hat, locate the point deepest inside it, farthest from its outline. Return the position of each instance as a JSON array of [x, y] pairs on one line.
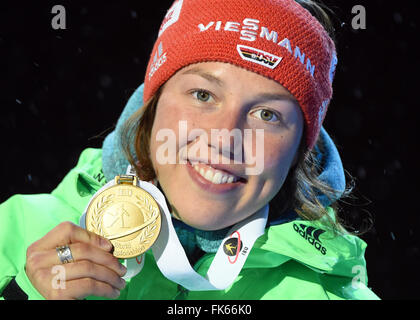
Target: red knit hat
[[278, 39]]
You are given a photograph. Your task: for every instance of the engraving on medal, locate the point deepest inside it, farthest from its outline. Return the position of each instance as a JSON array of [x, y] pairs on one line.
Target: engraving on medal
[[128, 216], [125, 192]]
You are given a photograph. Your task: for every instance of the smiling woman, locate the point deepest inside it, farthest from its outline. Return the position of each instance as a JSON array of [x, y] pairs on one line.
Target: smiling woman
[[234, 99], [235, 95], [232, 105]]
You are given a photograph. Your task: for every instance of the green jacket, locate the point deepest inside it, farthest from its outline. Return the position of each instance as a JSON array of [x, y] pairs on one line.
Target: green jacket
[[289, 261]]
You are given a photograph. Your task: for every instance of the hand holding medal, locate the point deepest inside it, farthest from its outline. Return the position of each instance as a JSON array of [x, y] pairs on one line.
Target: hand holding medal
[[122, 221], [86, 264], [133, 215]]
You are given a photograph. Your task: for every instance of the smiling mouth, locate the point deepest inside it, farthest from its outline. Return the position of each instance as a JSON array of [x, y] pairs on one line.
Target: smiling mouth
[[215, 176]]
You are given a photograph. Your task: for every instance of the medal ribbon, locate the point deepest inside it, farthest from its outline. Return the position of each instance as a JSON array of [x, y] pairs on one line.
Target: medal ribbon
[[172, 260]]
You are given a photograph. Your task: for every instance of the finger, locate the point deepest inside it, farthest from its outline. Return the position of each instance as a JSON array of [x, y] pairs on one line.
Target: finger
[[80, 252], [66, 233], [82, 288], [88, 269]]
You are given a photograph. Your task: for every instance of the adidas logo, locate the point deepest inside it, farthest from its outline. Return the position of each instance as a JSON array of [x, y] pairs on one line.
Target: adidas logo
[[311, 234], [158, 60]]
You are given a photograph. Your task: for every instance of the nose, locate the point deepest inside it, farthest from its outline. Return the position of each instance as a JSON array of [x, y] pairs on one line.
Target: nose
[[225, 128]]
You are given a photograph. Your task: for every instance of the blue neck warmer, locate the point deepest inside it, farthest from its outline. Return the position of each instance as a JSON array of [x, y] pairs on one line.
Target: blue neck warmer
[[114, 163]]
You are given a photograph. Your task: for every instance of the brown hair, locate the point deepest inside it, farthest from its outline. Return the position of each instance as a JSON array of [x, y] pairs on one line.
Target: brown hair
[[302, 186]]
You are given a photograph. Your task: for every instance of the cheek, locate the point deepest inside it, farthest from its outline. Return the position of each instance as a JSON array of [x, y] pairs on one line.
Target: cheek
[[278, 157], [164, 124], [168, 125], [276, 167], [165, 118], [169, 113]]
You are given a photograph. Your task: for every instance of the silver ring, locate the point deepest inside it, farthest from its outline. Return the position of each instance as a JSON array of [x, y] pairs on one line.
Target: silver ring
[[64, 254]]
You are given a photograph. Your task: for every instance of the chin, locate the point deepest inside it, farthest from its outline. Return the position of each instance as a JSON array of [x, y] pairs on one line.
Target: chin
[[205, 223]]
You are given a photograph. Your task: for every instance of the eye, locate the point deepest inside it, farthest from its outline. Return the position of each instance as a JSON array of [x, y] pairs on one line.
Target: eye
[[201, 95], [266, 115]]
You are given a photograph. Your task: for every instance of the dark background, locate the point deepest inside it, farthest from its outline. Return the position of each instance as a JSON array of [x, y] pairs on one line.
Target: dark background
[[63, 90]]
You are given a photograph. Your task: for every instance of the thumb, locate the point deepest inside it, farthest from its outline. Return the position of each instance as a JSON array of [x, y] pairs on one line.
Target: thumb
[[68, 232]]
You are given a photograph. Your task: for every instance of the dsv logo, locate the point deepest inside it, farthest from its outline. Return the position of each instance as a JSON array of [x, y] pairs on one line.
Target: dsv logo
[[311, 234]]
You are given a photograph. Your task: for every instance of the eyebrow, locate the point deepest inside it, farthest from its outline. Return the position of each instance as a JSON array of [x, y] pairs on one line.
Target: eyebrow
[[205, 75], [263, 96], [277, 96]]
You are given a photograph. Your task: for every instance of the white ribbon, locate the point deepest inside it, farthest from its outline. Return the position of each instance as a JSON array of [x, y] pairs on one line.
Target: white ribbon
[[172, 260]]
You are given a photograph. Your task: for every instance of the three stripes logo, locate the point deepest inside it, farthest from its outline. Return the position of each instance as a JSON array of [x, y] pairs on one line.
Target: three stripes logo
[[158, 59], [311, 234]]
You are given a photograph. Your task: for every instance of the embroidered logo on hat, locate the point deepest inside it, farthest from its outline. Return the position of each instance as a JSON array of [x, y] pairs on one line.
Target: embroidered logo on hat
[[258, 56], [158, 60], [171, 16]]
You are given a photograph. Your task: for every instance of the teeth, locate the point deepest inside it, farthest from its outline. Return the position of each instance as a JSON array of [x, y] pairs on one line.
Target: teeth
[[214, 176], [209, 175], [217, 178]]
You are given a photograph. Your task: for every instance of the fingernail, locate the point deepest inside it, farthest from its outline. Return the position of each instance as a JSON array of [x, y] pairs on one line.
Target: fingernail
[[123, 269], [122, 281], [116, 293], [106, 244]]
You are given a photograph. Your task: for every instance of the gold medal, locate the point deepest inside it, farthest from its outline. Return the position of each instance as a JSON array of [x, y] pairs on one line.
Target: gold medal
[[127, 215]]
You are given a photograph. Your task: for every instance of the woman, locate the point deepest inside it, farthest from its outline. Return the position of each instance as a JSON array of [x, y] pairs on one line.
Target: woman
[[229, 131]]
